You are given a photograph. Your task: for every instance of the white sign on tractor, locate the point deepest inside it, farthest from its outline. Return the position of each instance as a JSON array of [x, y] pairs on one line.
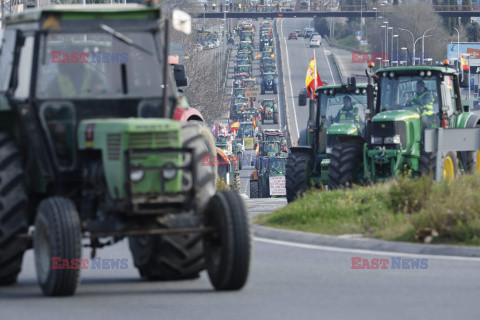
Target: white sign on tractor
[[277, 186]]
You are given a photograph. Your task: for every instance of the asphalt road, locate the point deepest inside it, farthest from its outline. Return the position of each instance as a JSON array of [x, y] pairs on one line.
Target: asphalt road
[[287, 280]]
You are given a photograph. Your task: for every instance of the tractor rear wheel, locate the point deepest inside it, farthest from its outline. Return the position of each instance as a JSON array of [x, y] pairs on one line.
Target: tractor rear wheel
[[13, 211], [345, 161], [174, 257], [297, 168], [275, 90], [239, 159], [275, 118], [264, 190], [427, 164], [254, 189], [228, 249]]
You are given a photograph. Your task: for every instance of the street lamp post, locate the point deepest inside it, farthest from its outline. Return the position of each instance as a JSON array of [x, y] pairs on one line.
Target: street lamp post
[[458, 49], [361, 20], [413, 46], [396, 52], [404, 49], [423, 43], [390, 49], [375, 9], [384, 45]]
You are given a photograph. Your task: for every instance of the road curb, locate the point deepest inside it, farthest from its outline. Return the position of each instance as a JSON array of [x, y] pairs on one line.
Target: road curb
[[364, 244]]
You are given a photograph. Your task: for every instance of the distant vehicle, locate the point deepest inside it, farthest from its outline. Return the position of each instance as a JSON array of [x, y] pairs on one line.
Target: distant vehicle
[[307, 32], [315, 42], [292, 35], [298, 32], [314, 34], [198, 47]]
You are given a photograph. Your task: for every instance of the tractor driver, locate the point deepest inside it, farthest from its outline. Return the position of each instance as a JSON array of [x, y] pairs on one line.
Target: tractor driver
[[76, 79], [423, 101], [348, 112]]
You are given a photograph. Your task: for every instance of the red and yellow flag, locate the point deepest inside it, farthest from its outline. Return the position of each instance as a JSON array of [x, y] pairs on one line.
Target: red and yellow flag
[[258, 56], [312, 80], [235, 125], [465, 66], [254, 123]]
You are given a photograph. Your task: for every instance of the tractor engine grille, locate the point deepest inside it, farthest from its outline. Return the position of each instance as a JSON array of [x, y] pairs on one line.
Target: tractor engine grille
[[384, 129], [152, 140], [114, 143]]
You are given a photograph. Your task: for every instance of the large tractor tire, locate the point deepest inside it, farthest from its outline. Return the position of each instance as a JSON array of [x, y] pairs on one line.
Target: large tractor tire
[[262, 91], [228, 250], [427, 164], [275, 118], [240, 160], [236, 183], [264, 190], [473, 162], [174, 257], [254, 189], [57, 235], [275, 90], [13, 211], [345, 161], [297, 168]]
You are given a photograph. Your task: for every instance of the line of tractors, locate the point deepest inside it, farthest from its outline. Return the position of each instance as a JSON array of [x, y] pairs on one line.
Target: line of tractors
[[384, 137]]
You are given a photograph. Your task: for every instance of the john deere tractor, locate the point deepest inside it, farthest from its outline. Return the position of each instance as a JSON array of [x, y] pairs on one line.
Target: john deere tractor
[[91, 148], [409, 100], [308, 163]]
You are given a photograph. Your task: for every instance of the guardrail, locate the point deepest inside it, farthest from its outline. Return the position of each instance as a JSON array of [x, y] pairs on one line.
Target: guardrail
[[339, 67]]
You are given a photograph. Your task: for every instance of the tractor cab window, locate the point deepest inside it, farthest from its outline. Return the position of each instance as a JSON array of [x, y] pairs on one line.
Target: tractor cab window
[[268, 104], [248, 130], [448, 95], [409, 93], [58, 119], [270, 147], [24, 72], [343, 107], [99, 64]]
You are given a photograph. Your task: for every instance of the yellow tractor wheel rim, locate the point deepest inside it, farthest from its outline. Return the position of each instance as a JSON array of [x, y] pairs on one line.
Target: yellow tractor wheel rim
[[478, 162], [448, 170]]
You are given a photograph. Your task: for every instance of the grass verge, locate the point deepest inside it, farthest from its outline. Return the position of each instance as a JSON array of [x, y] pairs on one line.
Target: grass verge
[[397, 210]]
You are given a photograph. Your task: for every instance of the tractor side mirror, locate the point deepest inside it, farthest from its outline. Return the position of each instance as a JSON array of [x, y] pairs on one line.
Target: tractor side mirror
[[180, 75], [466, 105], [302, 99]]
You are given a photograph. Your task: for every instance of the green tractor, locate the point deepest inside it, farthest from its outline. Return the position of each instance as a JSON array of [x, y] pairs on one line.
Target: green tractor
[[228, 169], [231, 147], [328, 125], [94, 146], [409, 100], [268, 178], [269, 110]]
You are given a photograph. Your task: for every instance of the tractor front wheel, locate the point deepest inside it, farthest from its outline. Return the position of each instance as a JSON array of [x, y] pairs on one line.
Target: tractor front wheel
[[297, 168], [427, 164], [228, 248], [345, 162]]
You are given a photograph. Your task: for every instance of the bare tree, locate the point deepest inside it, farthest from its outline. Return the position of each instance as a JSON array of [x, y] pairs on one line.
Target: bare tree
[[417, 17]]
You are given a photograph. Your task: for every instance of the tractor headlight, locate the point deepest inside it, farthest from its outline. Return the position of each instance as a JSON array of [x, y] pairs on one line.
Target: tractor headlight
[[392, 140], [377, 140], [329, 150], [136, 175], [169, 171]]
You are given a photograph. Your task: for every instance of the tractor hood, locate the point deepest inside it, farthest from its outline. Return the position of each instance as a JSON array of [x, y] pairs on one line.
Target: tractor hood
[[396, 115], [343, 128]]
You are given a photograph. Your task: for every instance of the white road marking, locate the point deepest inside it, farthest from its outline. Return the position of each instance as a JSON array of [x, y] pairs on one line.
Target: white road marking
[[363, 251], [290, 79], [328, 63]]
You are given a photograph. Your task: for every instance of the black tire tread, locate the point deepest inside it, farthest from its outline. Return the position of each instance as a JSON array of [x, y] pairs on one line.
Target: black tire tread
[[344, 160], [297, 167]]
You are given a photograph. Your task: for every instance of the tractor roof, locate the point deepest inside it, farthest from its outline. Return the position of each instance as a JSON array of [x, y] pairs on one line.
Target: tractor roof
[[417, 69], [81, 13], [339, 86]]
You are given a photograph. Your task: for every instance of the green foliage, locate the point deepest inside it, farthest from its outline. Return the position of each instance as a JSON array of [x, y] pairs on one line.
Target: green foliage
[[222, 185], [349, 41], [392, 211], [321, 26]]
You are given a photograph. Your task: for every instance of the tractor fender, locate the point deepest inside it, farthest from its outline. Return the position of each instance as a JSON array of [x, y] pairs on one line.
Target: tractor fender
[[472, 121], [187, 114], [302, 140]]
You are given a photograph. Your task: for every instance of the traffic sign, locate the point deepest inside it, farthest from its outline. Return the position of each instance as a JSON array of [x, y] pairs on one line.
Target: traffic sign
[[358, 35], [252, 92], [280, 15]]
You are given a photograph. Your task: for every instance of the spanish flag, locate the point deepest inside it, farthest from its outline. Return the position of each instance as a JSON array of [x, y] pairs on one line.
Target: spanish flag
[[465, 66], [312, 81], [258, 56], [235, 125], [256, 150]]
